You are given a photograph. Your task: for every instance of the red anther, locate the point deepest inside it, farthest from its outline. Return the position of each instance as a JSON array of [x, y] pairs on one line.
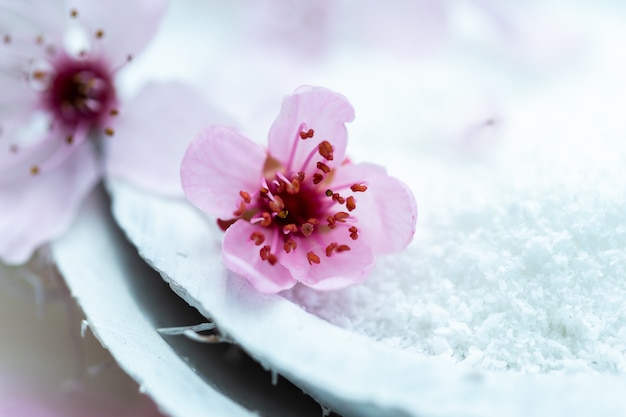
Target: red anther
[[350, 203], [263, 192], [313, 221], [114, 112], [99, 34], [307, 229], [294, 187], [308, 134], [34, 170], [338, 198], [257, 237], [300, 176], [342, 248], [326, 150], [290, 245], [317, 178], [330, 248], [290, 228], [323, 167], [354, 233], [277, 205], [265, 252], [312, 258], [358, 188], [245, 196], [341, 216], [272, 259], [267, 219], [331, 222], [109, 131], [241, 208]]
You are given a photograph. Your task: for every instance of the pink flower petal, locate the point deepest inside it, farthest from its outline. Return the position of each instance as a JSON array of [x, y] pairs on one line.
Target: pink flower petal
[[333, 272], [241, 256], [39, 208], [386, 212], [322, 110], [127, 25], [152, 133], [219, 163]]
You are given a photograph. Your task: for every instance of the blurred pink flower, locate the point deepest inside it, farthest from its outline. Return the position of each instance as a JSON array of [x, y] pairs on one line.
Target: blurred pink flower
[[298, 212], [58, 66]]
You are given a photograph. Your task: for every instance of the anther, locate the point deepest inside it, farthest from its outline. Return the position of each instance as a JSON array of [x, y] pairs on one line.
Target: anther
[[329, 193], [326, 150], [245, 196], [338, 198], [283, 214], [114, 112], [34, 170], [109, 131], [323, 167], [354, 233], [294, 187], [267, 255], [307, 229], [307, 134], [312, 258], [73, 13], [257, 237], [341, 216], [266, 219], [69, 139], [99, 34], [331, 222], [350, 203], [241, 208], [6, 39], [317, 178], [290, 245], [358, 188], [277, 204], [342, 248], [313, 221], [330, 248], [290, 228], [263, 192]]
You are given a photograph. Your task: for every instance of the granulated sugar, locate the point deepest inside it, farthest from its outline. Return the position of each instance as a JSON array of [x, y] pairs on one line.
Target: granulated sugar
[[518, 262]]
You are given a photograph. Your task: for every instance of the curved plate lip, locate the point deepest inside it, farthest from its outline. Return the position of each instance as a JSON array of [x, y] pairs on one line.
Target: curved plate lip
[[122, 327], [351, 373]]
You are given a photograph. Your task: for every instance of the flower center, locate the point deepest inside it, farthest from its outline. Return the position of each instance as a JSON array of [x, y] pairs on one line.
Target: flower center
[[80, 91], [288, 209]]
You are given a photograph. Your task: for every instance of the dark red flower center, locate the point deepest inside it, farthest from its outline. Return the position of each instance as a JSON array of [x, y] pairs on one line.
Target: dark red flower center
[[80, 92]]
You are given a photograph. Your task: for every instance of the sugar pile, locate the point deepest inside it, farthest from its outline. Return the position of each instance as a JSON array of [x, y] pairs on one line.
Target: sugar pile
[[518, 262]]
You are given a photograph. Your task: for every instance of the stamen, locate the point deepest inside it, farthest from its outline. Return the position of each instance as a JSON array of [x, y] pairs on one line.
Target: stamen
[[341, 216], [306, 135], [257, 237], [294, 187], [326, 150], [330, 248], [358, 188], [312, 258], [342, 248], [307, 229], [109, 131], [290, 228], [317, 178], [99, 34], [73, 13], [338, 198], [350, 203], [277, 205], [283, 214], [290, 245], [354, 233], [323, 167], [69, 139], [266, 219], [313, 221], [267, 255], [241, 208], [329, 193], [34, 170], [114, 112], [331, 222], [245, 196]]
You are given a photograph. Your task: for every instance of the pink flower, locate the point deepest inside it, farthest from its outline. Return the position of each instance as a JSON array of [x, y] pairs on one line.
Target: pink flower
[[55, 98], [298, 212]]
